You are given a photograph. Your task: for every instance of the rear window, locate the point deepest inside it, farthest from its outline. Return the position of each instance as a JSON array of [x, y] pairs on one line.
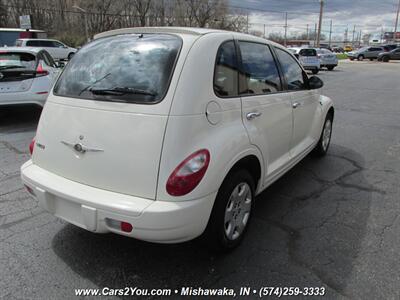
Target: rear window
[[308, 52], [133, 68], [16, 60]]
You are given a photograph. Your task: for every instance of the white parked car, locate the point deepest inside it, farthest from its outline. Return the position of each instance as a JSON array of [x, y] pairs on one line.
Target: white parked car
[[26, 75], [165, 134], [57, 49], [308, 58], [328, 59]]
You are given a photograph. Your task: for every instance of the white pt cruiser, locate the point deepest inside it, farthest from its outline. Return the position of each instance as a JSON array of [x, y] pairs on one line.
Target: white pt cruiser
[[167, 134]]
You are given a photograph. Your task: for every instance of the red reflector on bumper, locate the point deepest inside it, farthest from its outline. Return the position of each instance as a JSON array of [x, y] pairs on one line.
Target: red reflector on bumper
[[126, 227]]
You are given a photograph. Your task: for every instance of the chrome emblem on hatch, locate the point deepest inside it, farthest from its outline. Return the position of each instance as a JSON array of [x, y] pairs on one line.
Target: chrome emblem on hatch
[[79, 147]]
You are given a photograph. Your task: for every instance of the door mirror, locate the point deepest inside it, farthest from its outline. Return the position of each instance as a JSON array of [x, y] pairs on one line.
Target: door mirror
[[315, 83]]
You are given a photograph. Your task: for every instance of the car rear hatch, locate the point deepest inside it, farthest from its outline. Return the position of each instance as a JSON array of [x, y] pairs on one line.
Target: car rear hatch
[[104, 126], [17, 71], [308, 56]]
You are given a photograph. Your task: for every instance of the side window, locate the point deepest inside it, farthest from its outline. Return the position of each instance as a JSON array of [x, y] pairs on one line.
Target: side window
[[33, 43], [47, 44], [259, 68], [293, 73], [57, 44], [226, 72]]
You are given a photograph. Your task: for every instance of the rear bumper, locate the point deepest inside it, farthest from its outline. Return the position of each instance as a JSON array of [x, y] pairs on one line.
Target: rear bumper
[[22, 98], [94, 209]]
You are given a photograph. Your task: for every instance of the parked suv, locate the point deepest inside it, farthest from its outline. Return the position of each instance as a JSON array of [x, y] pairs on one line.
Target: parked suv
[[366, 52], [387, 56], [165, 134], [56, 49]]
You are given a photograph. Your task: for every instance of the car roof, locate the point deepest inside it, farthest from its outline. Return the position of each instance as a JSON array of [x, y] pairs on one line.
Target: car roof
[[182, 30], [31, 50], [36, 39]]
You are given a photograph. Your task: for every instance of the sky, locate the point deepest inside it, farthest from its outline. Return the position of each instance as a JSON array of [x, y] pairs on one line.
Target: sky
[[369, 16]]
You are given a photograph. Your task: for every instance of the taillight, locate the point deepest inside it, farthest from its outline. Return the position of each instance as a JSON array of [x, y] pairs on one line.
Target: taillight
[[40, 71], [188, 173], [32, 146]]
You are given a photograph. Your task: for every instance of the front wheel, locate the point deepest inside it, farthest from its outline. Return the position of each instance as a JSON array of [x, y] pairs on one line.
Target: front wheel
[[315, 71], [385, 59], [325, 139], [231, 213], [70, 55], [360, 58], [330, 68]]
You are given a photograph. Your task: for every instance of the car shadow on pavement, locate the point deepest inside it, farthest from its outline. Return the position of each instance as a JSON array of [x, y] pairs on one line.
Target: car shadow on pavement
[[307, 230], [19, 118]]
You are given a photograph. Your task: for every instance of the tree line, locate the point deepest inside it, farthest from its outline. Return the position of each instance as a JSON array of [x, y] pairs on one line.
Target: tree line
[[64, 20]]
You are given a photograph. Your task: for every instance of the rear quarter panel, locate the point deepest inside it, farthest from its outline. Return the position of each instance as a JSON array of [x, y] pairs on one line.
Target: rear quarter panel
[[188, 129]]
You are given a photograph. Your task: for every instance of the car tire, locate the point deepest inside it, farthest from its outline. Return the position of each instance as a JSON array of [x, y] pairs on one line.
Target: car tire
[[224, 230], [351, 59], [360, 58], [315, 71], [385, 59], [70, 55], [371, 59], [325, 139], [330, 68]]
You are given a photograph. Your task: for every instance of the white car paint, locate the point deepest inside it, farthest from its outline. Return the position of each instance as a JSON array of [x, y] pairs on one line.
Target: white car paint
[[57, 49], [31, 89], [139, 146]]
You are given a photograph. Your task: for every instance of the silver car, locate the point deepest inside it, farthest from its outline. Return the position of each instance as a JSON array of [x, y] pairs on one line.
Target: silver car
[[26, 75], [327, 58], [370, 53]]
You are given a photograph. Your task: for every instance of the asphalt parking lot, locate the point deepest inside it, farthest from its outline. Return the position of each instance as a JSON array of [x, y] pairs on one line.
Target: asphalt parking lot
[[331, 222]]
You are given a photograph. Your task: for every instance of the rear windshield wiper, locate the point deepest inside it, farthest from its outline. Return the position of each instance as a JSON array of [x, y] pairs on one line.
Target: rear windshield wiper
[[119, 91], [11, 67]]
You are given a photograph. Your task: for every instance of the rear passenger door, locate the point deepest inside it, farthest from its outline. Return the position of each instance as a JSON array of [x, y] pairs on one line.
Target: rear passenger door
[[266, 111], [49, 47], [304, 103]]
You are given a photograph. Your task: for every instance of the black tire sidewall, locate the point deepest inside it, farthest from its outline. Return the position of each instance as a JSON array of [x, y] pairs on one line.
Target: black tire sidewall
[[319, 149], [215, 232]]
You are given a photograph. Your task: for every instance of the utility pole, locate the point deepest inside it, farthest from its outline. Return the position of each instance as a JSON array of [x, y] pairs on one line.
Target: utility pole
[[321, 11], [286, 26], [354, 32], [330, 34], [85, 20], [359, 39], [315, 35], [264, 32], [308, 34], [247, 23], [396, 23]]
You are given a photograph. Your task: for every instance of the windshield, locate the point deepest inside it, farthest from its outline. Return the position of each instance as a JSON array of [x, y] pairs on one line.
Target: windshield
[[17, 60], [129, 68]]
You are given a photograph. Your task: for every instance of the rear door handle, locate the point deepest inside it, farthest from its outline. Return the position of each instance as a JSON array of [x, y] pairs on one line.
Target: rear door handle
[[253, 115]]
